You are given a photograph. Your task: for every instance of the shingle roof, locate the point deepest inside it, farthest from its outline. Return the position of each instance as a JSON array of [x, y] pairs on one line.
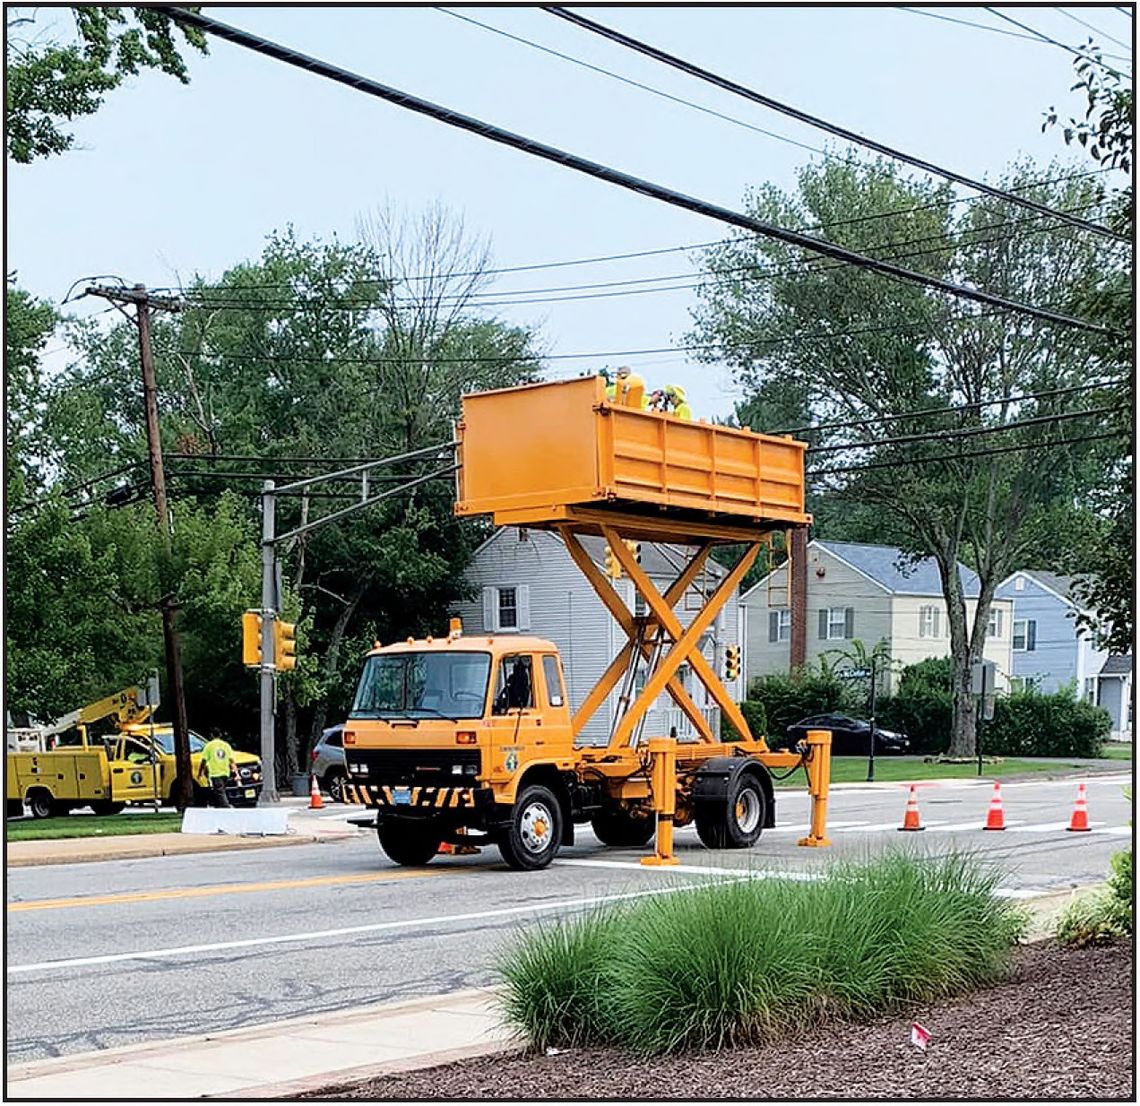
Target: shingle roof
[[1117, 666], [889, 566], [656, 560], [1062, 585]]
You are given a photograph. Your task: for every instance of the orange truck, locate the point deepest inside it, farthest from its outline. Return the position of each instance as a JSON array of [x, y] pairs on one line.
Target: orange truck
[[470, 739]]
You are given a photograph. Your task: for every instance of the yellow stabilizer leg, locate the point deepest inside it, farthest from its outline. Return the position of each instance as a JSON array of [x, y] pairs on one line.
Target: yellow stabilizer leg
[[663, 750], [819, 778]]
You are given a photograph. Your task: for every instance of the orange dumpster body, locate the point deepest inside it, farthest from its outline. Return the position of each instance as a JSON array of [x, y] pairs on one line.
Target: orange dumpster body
[[538, 454]]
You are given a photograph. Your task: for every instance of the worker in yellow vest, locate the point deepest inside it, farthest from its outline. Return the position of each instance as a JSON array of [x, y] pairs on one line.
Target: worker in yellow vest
[[217, 766], [611, 385], [631, 389], [675, 402]]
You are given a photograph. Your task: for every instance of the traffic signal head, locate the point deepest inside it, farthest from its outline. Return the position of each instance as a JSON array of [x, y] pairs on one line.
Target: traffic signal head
[[284, 646], [251, 639], [635, 548], [731, 662], [613, 565]]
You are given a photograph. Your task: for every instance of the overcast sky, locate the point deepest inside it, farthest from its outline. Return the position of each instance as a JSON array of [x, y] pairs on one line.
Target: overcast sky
[[168, 181]]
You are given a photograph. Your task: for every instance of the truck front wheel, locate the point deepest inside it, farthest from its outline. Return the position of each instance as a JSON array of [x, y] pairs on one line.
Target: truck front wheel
[[735, 821], [531, 838], [41, 804], [411, 844]]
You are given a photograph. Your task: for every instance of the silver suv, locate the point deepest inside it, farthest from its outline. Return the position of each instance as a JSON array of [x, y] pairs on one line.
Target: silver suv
[[328, 762]]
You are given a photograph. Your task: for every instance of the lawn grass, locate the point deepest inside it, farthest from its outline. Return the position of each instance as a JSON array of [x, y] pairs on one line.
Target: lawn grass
[[749, 961], [903, 770], [1117, 750], [92, 825]]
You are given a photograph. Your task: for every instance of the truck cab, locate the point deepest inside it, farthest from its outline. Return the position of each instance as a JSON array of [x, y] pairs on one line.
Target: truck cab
[[447, 734]]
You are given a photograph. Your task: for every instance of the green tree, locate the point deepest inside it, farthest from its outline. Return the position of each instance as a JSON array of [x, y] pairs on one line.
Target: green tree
[[860, 348], [1104, 564], [51, 82]]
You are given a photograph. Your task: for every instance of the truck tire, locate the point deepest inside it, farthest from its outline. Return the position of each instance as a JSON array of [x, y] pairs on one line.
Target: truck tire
[[106, 806], [532, 837], [334, 782], [734, 821], [408, 843], [620, 829], [41, 804]]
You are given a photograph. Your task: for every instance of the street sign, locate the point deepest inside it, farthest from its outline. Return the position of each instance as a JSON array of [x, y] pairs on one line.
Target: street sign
[[982, 677]]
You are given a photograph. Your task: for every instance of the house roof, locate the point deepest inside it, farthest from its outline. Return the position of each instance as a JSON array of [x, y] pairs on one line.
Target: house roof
[[656, 559], [889, 568], [1117, 666]]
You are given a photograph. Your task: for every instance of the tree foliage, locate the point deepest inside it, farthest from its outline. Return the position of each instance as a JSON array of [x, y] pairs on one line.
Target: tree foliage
[[50, 82], [957, 471]]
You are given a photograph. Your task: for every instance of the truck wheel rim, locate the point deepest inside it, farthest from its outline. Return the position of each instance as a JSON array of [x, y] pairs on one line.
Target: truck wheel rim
[[747, 810], [535, 826]]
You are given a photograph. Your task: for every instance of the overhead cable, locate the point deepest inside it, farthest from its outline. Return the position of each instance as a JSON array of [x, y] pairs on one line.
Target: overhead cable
[[1061, 45], [822, 124], [1095, 30], [612, 176]]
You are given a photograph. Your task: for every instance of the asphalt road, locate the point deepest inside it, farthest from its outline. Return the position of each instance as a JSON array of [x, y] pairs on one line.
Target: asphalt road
[[108, 954]]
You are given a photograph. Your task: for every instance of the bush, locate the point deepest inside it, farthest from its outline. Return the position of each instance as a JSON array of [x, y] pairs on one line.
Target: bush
[[746, 961], [1059, 725], [1106, 915], [753, 711], [922, 707], [787, 699]]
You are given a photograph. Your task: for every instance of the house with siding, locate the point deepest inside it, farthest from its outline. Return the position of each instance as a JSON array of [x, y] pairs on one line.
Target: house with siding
[[1052, 650], [870, 592], [526, 582]]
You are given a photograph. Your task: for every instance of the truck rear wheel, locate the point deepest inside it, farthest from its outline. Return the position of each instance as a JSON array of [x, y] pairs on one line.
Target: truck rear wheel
[[619, 828], [411, 844], [531, 839], [735, 821]]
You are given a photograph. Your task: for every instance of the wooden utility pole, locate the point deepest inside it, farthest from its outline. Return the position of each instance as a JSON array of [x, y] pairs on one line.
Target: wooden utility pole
[[797, 592], [143, 302]]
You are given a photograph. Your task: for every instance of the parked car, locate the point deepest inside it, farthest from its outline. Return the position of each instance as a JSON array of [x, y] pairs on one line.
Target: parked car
[[850, 736], [328, 762]]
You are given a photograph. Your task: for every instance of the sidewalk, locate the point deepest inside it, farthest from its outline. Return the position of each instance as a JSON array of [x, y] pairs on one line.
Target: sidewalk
[[287, 1058], [304, 829]]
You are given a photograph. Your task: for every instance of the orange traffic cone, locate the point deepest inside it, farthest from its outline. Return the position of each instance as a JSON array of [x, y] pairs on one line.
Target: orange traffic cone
[[995, 819], [446, 849], [1079, 823], [910, 818], [315, 800]]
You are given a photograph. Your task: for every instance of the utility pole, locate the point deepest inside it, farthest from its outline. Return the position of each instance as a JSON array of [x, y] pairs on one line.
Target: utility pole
[[797, 596], [267, 674], [143, 302]]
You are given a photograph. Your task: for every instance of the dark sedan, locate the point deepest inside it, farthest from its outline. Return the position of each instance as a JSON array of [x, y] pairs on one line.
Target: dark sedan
[[850, 736]]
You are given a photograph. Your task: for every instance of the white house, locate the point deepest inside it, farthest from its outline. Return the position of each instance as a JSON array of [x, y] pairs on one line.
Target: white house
[[527, 582], [870, 592]]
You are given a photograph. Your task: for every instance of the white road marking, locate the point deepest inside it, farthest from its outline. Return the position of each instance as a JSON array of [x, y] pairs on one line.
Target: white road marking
[[689, 869]]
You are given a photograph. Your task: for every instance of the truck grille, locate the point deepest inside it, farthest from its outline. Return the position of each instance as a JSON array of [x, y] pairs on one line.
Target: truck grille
[[425, 766]]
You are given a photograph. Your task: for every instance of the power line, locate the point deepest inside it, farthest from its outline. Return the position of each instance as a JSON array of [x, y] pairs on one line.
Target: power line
[[1061, 45], [994, 452], [1095, 30], [612, 176], [605, 258], [985, 27], [968, 432], [822, 124], [950, 409], [489, 299]]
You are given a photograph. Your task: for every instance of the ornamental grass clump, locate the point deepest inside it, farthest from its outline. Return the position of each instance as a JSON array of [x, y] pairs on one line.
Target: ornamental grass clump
[[751, 960]]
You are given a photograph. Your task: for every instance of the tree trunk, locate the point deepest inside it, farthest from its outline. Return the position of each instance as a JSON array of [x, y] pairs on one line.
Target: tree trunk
[[289, 703], [963, 723], [332, 655]]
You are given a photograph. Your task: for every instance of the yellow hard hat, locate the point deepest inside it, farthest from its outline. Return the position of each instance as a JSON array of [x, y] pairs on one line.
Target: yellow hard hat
[[675, 391]]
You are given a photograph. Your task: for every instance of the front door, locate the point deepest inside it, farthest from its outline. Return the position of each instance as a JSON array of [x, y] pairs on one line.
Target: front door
[[516, 724], [135, 776]]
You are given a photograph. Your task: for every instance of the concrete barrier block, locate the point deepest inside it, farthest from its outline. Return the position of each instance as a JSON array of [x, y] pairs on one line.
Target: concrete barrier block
[[261, 821]]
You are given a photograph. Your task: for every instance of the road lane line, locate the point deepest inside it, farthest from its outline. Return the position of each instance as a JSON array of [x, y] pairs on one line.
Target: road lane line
[[347, 931], [228, 889], [688, 869]]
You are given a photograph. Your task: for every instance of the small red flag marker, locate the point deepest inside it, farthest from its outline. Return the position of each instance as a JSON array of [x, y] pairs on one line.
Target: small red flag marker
[[919, 1036]]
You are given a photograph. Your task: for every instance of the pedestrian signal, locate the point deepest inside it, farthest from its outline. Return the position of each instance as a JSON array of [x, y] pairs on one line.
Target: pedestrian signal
[[284, 646], [731, 662], [251, 639]]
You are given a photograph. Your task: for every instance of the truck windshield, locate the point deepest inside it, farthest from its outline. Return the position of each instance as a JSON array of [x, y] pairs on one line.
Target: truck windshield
[[165, 739], [423, 685]]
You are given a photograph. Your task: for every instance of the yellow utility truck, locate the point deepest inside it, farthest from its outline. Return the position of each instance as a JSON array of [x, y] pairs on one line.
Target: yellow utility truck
[[71, 767], [470, 738]]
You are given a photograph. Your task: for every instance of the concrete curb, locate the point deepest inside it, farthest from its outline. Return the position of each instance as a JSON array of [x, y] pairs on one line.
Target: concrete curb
[[130, 848]]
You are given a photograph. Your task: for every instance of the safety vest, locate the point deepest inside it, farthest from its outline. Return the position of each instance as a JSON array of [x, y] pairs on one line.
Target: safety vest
[[683, 410], [218, 757]]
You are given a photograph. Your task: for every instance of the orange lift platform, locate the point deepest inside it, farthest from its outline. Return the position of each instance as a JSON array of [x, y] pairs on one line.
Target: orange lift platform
[[559, 456]]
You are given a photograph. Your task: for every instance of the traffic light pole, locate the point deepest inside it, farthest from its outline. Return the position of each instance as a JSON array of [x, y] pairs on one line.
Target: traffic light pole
[[267, 672]]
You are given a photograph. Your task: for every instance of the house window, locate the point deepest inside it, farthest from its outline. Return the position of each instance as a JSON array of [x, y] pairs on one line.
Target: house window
[[1024, 635], [640, 607], [993, 628], [694, 601], [1019, 583], [508, 609], [836, 623], [1025, 683], [780, 625], [928, 621]]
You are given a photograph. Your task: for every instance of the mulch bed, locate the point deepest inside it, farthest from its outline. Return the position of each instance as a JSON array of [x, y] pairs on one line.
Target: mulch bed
[[1060, 1027]]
